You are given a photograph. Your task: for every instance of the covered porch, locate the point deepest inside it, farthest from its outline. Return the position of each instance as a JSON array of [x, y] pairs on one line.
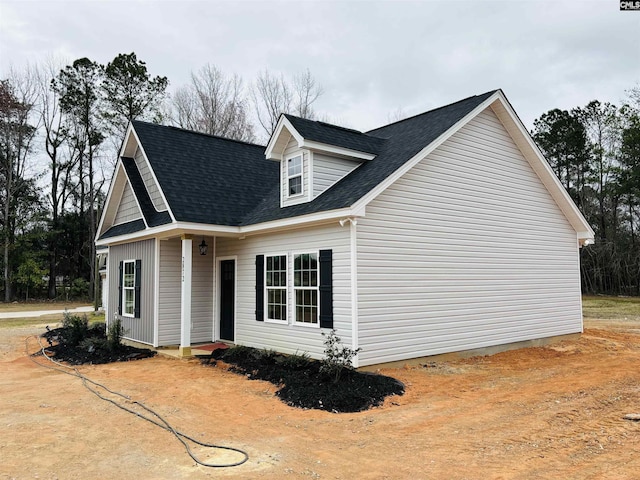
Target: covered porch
[[196, 294]]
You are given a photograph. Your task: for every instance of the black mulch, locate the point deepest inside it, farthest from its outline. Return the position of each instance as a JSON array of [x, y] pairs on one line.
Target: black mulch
[[303, 385], [93, 349]]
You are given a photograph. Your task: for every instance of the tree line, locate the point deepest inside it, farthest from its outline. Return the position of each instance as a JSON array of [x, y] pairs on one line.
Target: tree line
[[595, 152], [61, 127]]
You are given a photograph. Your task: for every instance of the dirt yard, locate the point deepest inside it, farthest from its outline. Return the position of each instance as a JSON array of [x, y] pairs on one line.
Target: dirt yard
[[554, 412]]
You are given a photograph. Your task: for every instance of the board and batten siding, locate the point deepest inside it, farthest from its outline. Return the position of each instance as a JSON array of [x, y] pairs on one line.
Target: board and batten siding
[[289, 338], [149, 182], [291, 150], [466, 250], [327, 170], [128, 208], [138, 329], [169, 291]]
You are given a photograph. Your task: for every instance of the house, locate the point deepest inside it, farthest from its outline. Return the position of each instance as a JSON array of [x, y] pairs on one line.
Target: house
[[443, 232]]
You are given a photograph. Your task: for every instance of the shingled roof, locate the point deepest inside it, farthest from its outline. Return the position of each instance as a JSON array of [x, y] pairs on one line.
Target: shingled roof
[[212, 180], [326, 133]]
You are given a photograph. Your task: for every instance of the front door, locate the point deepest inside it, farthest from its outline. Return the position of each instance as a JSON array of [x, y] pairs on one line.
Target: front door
[[227, 299]]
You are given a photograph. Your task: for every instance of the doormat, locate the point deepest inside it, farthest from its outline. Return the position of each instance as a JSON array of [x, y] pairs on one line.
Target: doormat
[[211, 346]]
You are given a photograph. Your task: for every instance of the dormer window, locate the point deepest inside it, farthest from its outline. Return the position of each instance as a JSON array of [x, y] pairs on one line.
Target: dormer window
[[294, 175]]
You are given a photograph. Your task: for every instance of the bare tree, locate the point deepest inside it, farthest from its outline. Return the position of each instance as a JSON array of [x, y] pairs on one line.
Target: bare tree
[[213, 103], [306, 91], [62, 160], [273, 95], [18, 97]]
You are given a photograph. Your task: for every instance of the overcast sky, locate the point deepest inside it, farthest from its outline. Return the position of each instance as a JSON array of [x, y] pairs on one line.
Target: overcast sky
[[372, 58]]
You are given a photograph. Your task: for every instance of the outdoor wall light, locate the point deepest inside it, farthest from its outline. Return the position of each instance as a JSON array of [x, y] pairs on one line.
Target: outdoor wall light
[[203, 247]]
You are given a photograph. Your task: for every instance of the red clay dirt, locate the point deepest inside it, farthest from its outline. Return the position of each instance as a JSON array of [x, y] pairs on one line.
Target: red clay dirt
[[551, 412]]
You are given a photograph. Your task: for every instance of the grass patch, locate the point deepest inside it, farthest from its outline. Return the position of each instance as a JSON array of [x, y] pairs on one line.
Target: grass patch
[[614, 308], [303, 384], [51, 320]]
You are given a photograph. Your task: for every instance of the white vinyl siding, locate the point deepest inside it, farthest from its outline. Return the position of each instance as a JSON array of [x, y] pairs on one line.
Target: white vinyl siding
[[328, 170], [289, 152], [138, 329], [201, 293], [149, 182], [169, 293], [128, 208], [466, 250], [289, 338]]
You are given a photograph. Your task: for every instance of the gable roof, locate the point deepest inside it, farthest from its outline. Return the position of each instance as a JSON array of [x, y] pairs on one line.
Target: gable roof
[[326, 133], [402, 140], [220, 182], [207, 179], [152, 217]]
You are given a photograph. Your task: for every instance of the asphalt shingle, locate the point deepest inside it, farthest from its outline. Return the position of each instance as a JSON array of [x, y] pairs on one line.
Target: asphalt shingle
[[217, 181], [334, 135]]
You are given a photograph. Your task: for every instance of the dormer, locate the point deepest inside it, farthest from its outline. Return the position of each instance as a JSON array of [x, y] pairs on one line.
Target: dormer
[[315, 155]]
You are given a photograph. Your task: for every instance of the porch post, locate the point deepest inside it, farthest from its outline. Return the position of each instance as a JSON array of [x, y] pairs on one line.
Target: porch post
[[185, 297]]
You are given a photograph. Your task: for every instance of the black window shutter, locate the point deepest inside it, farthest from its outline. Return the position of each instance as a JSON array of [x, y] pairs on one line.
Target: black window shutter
[[326, 288], [136, 307], [260, 288], [120, 291]]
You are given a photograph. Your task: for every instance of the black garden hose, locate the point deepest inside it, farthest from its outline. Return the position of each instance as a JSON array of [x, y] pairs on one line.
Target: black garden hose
[[160, 422]]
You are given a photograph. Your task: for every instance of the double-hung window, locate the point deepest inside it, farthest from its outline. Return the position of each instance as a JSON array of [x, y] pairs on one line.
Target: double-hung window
[[305, 286], [128, 288], [294, 175], [276, 286]]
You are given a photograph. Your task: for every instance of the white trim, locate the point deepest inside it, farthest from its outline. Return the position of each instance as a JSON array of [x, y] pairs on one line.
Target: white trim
[[114, 180], [354, 287], [413, 161], [533, 156], [286, 289], [213, 292], [536, 159], [106, 307], [339, 151], [153, 174], [309, 144], [186, 292], [135, 197], [178, 228], [124, 289], [156, 295], [235, 296], [287, 159], [282, 123], [294, 288], [310, 176]]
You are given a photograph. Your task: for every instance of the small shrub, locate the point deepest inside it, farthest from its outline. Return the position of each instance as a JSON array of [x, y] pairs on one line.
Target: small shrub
[[295, 362], [114, 334], [337, 357], [75, 329]]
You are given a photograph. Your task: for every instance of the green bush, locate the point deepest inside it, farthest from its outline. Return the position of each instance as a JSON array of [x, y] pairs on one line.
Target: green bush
[[114, 334], [337, 357], [75, 328]]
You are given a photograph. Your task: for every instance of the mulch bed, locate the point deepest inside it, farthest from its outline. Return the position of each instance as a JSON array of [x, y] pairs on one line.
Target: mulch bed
[[92, 350], [303, 385]]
